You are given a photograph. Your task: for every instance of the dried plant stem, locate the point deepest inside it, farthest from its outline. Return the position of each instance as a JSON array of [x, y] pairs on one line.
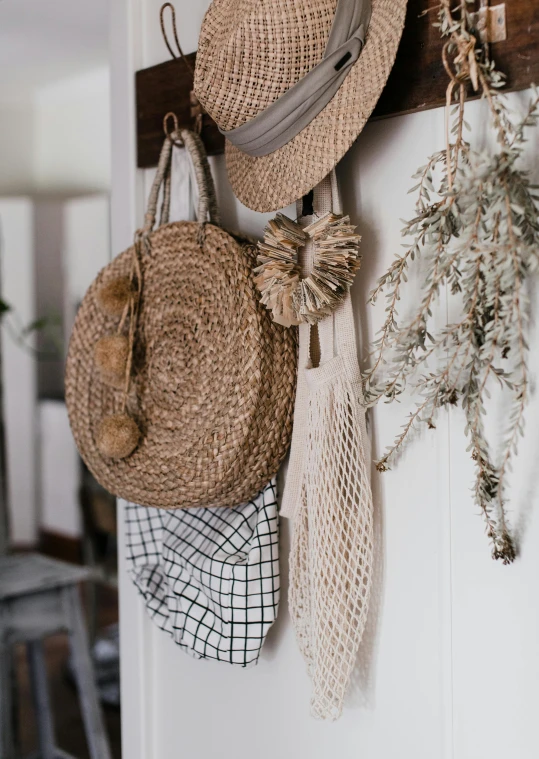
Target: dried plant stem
[[477, 233]]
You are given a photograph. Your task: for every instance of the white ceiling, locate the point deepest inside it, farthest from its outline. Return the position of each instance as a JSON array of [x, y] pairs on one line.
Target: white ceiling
[[42, 41]]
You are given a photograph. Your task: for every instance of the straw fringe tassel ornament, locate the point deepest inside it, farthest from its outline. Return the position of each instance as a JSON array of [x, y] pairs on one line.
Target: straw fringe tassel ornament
[[292, 299]]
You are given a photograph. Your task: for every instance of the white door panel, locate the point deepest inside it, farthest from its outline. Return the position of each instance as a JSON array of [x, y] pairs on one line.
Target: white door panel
[[450, 654]]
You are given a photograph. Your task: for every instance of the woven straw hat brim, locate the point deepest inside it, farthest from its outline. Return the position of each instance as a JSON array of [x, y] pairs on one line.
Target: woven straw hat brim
[[214, 377], [271, 182]]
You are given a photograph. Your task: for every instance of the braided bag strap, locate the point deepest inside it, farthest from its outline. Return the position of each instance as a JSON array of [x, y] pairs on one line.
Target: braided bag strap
[[208, 210]]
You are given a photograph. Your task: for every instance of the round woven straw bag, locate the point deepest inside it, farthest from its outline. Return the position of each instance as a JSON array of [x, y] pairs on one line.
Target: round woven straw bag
[[179, 387]]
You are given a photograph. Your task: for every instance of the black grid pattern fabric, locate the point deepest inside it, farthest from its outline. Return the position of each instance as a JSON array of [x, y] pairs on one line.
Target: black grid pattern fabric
[[209, 577]]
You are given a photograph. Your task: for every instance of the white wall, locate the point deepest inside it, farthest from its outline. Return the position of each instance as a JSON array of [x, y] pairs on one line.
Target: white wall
[[450, 662], [62, 243], [73, 134], [59, 470], [85, 249], [56, 139], [18, 367], [86, 243], [17, 133], [54, 143]]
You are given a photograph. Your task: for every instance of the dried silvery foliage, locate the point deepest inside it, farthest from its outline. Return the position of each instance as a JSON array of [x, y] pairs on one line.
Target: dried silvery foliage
[[476, 230]]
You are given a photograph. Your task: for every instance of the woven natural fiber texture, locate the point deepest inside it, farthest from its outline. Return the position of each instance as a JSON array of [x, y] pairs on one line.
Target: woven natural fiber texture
[[252, 51], [294, 299], [212, 381], [331, 558]]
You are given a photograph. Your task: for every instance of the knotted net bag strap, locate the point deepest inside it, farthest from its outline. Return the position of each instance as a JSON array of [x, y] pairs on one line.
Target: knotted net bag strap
[[331, 557]]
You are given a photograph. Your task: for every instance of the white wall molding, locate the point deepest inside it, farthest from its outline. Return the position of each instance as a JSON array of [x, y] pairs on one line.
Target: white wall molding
[[126, 210]]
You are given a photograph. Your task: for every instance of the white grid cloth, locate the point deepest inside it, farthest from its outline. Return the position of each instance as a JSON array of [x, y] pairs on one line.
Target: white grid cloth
[[209, 577]]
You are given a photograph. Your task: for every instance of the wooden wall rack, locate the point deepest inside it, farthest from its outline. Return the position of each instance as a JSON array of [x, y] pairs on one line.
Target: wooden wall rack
[[417, 81]]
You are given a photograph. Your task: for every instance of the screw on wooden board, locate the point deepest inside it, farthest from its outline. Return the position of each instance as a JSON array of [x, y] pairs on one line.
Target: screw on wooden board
[[491, 23]]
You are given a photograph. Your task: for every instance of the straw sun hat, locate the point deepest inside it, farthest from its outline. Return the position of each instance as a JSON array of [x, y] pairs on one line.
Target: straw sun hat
[[252, 52]]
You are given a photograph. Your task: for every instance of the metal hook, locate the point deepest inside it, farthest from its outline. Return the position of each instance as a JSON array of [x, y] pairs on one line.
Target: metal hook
[[175, 33]]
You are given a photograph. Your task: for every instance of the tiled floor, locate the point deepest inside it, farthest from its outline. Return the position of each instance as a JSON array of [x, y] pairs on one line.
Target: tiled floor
[[68, 723]]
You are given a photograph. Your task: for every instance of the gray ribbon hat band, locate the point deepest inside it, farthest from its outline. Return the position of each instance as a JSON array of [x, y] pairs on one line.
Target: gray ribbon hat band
[[297, 107]]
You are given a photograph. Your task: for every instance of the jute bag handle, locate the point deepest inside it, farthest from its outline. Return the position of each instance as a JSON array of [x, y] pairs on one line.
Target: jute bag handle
[[207, 202], [207, 211]]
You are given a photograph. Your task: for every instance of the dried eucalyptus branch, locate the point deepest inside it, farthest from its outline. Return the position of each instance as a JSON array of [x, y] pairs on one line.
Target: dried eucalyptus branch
[[476, 230]]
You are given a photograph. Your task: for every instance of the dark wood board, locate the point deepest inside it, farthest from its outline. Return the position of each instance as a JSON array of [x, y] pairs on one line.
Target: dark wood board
[[418, 80], [160, 89]]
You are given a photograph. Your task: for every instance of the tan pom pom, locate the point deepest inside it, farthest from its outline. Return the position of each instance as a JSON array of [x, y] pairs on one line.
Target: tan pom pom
[[117, 436], [113, 296], [110, 356]]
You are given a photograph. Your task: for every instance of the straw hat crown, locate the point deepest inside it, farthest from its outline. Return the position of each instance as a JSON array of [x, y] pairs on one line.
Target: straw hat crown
[[251, 52]]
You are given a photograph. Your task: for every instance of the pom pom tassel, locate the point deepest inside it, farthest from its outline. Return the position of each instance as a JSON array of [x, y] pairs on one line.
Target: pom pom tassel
[[113, 297], [117, 436]]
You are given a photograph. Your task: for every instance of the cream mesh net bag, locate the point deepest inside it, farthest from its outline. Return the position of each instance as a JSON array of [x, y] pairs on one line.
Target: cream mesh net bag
[[328, 492]]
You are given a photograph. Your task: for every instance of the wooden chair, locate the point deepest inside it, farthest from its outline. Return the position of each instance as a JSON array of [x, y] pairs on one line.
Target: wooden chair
[[38, 597]]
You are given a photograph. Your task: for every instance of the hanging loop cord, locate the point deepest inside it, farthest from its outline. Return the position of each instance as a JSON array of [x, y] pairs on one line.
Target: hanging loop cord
[[180, 55], [197, 112]]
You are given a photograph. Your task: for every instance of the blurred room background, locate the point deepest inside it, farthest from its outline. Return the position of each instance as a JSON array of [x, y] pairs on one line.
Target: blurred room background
[[54, 238]]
